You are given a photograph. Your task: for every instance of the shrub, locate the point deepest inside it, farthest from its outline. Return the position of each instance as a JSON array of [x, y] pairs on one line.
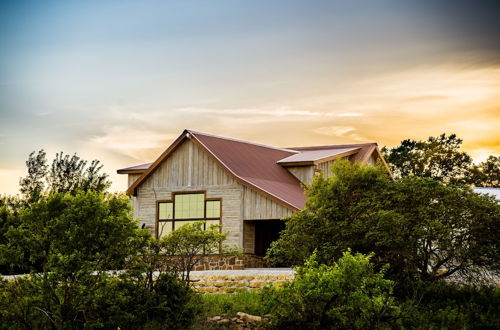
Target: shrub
[[189, 244], [346, 295], [451, 306], [95, 301]]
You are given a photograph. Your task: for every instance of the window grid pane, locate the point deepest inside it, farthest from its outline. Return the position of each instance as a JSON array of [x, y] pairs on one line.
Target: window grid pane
[[165, 210], [213, 209], [164, 228], [187, 206]]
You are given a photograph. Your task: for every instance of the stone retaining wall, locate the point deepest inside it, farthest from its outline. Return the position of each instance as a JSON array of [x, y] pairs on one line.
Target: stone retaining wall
[[234, 262], [229, 282]]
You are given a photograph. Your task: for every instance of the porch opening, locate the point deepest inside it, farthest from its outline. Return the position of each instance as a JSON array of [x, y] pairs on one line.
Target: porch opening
[[258, 235]]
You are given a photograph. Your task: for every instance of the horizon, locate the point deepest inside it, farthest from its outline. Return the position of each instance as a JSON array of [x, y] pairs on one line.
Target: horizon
[[119, 81]]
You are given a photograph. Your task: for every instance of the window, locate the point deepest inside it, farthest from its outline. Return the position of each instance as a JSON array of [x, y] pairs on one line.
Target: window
[[185, 209]]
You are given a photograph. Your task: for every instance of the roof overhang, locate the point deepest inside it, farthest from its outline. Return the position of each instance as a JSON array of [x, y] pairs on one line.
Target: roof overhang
[[137, 169], [314, 157]]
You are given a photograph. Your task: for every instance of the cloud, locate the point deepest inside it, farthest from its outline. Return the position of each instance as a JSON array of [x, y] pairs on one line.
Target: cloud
[[272, 112], [135, 143], [349, 114], [334, 130]]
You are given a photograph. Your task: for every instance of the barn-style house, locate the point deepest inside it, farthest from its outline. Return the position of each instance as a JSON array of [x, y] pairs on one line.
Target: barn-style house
[[245, 187]]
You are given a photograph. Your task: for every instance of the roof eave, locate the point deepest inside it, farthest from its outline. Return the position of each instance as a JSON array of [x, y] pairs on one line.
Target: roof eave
[[125, 171]]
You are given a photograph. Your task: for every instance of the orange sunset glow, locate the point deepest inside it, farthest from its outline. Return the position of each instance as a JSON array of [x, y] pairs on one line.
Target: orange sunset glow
[[119, 82]]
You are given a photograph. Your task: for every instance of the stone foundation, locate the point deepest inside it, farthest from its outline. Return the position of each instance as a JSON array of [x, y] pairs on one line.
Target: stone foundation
[[233, 262]]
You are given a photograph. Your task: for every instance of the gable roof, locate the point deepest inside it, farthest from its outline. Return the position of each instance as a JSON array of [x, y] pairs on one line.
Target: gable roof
[[257, 166]]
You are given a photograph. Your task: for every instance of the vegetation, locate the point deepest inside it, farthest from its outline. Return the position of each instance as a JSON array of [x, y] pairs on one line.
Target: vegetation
[[70, 235], [424, 229], [251, 302], [89, 229], [189, 244], [420, 246], [65, 175], [347, 295], [440, 158]]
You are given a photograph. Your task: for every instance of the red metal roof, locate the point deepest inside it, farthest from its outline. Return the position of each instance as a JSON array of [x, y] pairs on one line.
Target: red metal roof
[[312, 156], [136, 168], [365, 149], [256, 165]]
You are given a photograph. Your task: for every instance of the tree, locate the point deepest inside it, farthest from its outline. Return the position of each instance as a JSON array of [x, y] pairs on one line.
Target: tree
[[72, 244], [349, 294], [62, 230], [66, 174], [486, 174], [438, 158], [190, 244], [424, 229], [33, 184]]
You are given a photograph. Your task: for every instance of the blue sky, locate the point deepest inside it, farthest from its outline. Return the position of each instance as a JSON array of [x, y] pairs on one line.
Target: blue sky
[[119, 80]]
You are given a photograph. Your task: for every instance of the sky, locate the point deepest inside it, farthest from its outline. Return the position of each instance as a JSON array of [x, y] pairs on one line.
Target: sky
[[118, 81]]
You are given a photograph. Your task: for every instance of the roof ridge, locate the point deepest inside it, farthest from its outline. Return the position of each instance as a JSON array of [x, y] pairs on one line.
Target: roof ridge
[[333, 146], [242, 141]]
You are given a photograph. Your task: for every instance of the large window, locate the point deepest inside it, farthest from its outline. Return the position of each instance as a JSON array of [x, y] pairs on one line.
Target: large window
[[187, 208]]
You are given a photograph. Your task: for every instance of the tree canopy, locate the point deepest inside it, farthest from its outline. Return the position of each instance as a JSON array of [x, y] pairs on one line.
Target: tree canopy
[[442, 159], [424, 229], [62, 229], [66, 174]]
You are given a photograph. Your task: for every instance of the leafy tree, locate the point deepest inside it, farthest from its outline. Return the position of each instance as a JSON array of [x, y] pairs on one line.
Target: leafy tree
[[349, 294], [33, 185], [71, 243], [65, 174], [486, 174], [424, 229], [66, 231], [438, 158], [190, 244]]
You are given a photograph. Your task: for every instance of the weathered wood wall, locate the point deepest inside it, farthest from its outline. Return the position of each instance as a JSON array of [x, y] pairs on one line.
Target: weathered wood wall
[[303, 173], [259, 207], [132, 178], [190, 168]]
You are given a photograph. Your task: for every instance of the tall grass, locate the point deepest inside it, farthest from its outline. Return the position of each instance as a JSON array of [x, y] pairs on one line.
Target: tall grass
[[244, 301]]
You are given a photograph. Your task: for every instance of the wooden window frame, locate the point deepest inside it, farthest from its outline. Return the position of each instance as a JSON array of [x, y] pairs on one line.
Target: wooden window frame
[[173, 220]]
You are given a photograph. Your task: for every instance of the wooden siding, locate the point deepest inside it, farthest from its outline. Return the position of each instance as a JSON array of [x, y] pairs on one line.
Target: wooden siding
[[259, 207], [303, 173], [190, 168], [132, 178], [306, 173], [325, 168], [248, 237]]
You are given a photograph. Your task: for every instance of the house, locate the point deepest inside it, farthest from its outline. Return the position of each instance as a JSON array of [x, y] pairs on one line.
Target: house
[[246, 187]]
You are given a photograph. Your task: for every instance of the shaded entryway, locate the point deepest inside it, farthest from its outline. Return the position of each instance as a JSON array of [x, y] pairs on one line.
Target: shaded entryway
[[259, 234]]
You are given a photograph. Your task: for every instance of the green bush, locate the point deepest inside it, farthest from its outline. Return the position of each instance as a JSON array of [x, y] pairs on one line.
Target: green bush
[[96, 301], [425, 230], [451, 306], [72, 242], [347, 295], [62, 231]]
